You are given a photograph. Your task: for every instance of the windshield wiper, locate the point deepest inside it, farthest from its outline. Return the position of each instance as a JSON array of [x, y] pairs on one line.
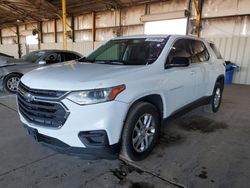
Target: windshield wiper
[[84, 59], [111, 62]]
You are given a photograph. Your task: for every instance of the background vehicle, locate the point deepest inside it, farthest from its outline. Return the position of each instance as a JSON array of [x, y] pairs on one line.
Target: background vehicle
[[116, 98], [5, 55], [11, 70]]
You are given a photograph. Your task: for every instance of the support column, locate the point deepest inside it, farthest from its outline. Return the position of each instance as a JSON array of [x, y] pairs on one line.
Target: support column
[[64, 24], [73, 28], [18, 42], [93, 30], [198, 9], [40, 34], [55, 31], [1, 39]]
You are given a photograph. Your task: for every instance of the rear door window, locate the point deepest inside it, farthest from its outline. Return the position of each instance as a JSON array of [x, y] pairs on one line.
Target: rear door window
[[180, 49], [53, 58], [199, 51], [69, 56]]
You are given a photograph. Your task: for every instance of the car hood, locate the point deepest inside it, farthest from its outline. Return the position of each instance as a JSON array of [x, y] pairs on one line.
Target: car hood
[[78, 76], [6, 62]]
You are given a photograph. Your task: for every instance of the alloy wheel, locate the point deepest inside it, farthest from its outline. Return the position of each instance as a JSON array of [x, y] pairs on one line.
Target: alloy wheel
[[12, 83], [143, 133]]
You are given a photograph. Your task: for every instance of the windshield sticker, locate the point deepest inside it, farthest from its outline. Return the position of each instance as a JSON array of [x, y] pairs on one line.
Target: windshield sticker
[[154, 40]]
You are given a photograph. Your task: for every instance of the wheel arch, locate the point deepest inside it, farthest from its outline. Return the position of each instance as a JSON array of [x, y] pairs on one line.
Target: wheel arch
[[12, 73], [221, 79], [154, 98]]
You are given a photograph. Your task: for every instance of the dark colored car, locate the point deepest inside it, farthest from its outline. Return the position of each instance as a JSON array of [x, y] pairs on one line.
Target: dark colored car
[[11, 70], [5, 55]]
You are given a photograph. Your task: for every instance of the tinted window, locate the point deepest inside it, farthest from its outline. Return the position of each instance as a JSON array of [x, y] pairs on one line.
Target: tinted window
[[216, 51], [53, 58], [199, 52], [179, 49], [33, 56], [69, 56]]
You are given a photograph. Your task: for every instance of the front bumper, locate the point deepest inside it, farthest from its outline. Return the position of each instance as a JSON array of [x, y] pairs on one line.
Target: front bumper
[[102, 152], [108, 116]]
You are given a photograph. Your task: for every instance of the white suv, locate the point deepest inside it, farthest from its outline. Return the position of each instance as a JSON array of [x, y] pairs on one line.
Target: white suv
[[114, 101]]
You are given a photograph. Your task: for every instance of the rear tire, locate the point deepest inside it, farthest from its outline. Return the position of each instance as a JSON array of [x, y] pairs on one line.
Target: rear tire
[[11, 82], [141, 131], [215, 102]]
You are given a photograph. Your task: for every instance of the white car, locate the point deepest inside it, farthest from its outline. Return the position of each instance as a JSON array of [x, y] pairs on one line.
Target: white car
[[113, 101]]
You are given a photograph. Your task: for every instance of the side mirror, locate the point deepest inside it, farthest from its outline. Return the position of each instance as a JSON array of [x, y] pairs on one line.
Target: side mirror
[[178, 62], [42, 62]]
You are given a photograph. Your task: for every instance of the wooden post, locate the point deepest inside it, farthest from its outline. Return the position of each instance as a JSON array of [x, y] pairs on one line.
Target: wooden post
[[93, 30], [1, 39], [55, 31], [73, 28], [18, 42], [40, 34]]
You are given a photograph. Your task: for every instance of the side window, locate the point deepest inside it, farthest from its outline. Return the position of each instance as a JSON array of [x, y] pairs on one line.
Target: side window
[[69, 56], [179, 49], [77, 56], [199, 52], [53, 58], [216, 51]]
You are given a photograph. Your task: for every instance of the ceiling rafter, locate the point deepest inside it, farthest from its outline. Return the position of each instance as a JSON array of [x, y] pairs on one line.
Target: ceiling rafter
[[40, 10], [19, 11]]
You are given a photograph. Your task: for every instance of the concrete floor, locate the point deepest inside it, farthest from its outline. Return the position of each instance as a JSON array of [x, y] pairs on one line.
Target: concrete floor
[[197, 150]]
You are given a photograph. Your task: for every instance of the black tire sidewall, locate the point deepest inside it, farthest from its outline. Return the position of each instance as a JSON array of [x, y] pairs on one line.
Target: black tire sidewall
[[6, 81], [138, 110], [217, 85]]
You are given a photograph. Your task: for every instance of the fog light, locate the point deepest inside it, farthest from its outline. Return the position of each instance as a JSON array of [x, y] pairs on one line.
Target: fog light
[[94, 138]]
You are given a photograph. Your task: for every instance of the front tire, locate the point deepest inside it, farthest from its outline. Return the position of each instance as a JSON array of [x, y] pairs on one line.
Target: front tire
[[11, 82], [141, 131]]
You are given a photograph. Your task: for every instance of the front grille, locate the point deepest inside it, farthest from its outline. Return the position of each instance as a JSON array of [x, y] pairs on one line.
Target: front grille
[[41, 112], [41, 93]]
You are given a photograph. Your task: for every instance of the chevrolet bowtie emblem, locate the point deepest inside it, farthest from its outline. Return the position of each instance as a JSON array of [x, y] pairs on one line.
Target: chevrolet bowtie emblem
[[28, 97]]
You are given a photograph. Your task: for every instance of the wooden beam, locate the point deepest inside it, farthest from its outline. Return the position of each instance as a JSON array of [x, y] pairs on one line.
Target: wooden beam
[[188, 16], [55, 31], [1, 39], [40, 34], [22, 13], [73, 28], [18, 42], [40, 28], [93, 30]]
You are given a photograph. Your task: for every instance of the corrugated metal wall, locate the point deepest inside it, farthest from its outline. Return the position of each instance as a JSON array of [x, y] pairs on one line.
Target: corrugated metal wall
[[237, 50], [232, 36]]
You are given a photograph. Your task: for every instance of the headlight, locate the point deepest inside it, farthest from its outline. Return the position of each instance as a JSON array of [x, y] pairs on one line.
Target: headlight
[[96, 95]]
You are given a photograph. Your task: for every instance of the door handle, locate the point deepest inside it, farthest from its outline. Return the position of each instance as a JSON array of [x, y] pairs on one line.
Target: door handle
[[193, 72]]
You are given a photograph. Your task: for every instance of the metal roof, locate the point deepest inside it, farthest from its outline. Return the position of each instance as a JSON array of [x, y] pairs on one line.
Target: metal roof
[[23, 11]]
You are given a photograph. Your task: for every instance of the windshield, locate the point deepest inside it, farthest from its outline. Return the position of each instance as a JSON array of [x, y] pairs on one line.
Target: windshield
[[33, 56], [140, 51]]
